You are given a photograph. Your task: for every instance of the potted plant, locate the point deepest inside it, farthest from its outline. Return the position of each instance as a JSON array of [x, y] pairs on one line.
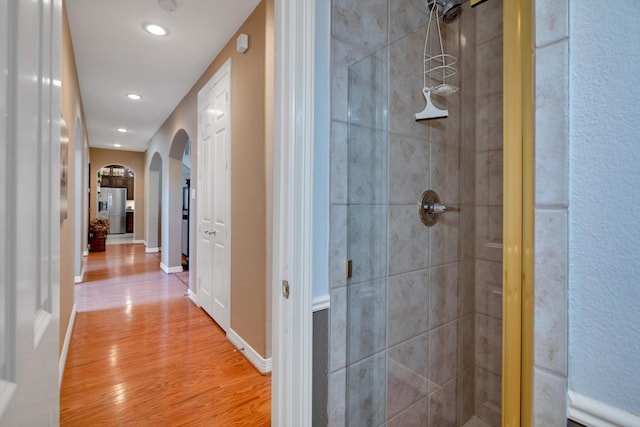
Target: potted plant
[[99, 227]]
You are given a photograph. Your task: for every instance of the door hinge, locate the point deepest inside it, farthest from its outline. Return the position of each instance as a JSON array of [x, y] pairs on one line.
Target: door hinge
[[349, 269], [285, 289]]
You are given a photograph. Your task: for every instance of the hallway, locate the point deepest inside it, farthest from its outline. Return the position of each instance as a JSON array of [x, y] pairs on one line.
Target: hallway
[[143, 354]]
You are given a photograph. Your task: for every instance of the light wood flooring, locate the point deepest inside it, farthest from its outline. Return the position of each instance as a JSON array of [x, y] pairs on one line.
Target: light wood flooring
[[142, 354]]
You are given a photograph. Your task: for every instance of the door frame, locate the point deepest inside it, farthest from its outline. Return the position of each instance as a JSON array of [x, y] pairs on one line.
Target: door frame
[[518, 232], [292, 333]]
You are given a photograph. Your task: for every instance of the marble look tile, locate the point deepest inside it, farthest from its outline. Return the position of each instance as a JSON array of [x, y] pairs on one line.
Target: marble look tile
[[445, 240], [467, 288], [488, 296], [489, 171], [443, 353], [489, 121], [338, 329], [339, 162], [414, 416], [405, 100], [468, 177], [468, 231], [366, 313], [445, 172], [367, 241], [488, 397], [407, 374], [551, 21], [443, 405], [367, 166], [337, 398], [407, 306], [407, 52], [443, 294], [367, 86], [408, 168], [408, 240], [366, 387], [467, 341], [406, 16], [552, 124], [338, 246], [489, 72], [488, 343], [550, 399], [466, 384], [365, 27], [343, 55], [551, 266], [489, 233], [488, 20]]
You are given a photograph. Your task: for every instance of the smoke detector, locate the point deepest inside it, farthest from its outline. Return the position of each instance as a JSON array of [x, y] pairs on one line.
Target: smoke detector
[[168, 5]]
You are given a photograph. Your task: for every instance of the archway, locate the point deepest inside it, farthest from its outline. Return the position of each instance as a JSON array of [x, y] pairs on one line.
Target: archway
[[172, 259], [154, 204]]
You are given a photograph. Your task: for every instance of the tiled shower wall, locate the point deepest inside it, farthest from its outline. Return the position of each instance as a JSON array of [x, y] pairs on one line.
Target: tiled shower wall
[[423, 346], [488, 211], [356, 33]]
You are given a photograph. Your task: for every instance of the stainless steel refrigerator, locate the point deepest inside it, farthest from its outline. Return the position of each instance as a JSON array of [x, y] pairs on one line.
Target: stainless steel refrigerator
[[112, 204]]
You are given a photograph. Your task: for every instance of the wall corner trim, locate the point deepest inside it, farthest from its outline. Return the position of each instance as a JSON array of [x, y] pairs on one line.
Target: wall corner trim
[[168, 270], [588, 411], [321, 303], [261, 364], [79, 278], [65, 345], [193, 297]]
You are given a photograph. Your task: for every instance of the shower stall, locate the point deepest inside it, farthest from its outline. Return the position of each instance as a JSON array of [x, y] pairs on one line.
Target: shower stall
[[423, 304]]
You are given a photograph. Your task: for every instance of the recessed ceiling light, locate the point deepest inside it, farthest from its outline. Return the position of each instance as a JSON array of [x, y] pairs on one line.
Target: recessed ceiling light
[[155, 29], [134, 96], [122, 130], [117, 145]]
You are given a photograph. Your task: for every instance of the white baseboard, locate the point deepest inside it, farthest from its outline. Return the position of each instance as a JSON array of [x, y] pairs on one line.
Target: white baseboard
[[321, 303], [151, 250], [261, 364], [168, 270], [139, 241], [591, 412], [65, 345], [193, 297], [85, 253], [80, 278]]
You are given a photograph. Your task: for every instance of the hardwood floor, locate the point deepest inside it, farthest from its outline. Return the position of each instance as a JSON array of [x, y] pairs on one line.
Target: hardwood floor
[[142, 354]]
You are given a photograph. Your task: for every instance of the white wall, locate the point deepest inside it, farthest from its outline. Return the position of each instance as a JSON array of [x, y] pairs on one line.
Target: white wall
[[604, 202]]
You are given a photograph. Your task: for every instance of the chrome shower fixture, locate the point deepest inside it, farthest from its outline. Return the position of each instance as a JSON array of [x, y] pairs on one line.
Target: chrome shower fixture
[[451, 9]]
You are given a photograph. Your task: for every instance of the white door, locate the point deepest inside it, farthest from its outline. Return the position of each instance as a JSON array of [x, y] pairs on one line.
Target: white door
[[213, 268], [30, 173]]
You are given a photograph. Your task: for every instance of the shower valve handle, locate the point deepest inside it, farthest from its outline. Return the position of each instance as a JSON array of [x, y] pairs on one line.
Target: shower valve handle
[[439, 208]]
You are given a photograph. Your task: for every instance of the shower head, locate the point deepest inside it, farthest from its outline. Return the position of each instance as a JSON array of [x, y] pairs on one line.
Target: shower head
[[451, 9]]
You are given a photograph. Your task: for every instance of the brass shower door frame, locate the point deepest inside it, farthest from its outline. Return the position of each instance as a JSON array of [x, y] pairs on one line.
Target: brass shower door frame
[[518, 237]]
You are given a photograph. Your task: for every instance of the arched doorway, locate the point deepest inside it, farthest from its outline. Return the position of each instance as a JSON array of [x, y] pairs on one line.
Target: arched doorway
[[173, 258], [154, 204]]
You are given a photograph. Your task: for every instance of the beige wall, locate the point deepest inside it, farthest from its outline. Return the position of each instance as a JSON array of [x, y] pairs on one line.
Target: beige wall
[[72, 114], [134, 160], [250, 168]]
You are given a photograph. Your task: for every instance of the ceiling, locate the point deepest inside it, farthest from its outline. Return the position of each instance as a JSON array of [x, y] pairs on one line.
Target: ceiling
[[115, 56]]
